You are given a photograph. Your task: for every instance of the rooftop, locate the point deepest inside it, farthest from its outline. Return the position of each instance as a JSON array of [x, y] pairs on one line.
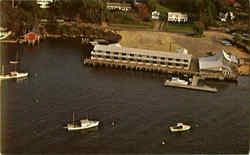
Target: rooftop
[[142, 51]]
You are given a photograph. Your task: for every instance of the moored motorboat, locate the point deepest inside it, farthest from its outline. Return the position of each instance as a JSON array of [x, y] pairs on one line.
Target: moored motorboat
[[13, 75], [14, 62], [4, 35], [177, 80], [84, 124], [179, 127]]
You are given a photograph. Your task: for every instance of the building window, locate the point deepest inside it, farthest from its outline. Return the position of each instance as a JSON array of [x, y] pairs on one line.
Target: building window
[[185, 65], [124, 59], [131, 55], [139, 60], [116, 58], [162, 58], [108, 52], [154, 62], [162, 63], [170, 59], [131, 59], [185, 60], [124, 54], [116, 53], [108, 57], [154, 57], [178, 59]]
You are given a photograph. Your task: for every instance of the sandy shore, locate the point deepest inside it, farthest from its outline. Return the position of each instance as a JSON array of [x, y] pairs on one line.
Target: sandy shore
[[210, 43], [148, 40]]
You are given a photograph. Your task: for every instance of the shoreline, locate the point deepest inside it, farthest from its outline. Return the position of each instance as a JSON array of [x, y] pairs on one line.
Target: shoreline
[[167, 41]]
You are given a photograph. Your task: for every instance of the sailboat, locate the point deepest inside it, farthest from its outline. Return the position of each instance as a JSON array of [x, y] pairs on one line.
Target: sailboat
[[84, 124], [14, 74]]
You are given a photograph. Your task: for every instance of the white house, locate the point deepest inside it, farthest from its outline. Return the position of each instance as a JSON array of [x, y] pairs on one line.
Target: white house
[[44, 3], [119, 6], [156, 15], [177, 17], [224, 16]]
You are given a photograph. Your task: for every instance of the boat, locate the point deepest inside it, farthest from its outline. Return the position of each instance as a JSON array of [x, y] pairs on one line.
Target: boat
[[176, 80], [192, 84], [14, 62], [179, 127], [4, 35], [14, 74], [84, 124]]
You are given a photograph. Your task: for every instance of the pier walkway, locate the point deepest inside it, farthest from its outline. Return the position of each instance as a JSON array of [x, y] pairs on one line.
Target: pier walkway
[[159, 69], [194, 87]]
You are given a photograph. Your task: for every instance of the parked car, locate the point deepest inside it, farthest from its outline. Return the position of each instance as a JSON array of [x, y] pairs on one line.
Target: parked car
[[226, 43]]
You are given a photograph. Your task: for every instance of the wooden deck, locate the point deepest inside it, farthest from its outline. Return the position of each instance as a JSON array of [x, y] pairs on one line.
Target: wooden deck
[[153, 68], [8, 41]]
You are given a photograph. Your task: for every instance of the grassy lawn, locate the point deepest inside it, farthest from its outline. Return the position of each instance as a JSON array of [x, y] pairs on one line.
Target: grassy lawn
[[135, 26], [179, 27]]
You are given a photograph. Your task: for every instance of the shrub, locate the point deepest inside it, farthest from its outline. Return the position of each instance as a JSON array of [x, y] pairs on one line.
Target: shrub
[[198, 28]]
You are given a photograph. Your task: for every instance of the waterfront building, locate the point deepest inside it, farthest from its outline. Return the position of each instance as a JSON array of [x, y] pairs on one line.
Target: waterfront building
[[177, 17], [112, 53], [119, 6], [221, 63]]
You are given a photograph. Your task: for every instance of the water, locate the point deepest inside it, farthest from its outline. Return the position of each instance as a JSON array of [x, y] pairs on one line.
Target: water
[[35, 110]]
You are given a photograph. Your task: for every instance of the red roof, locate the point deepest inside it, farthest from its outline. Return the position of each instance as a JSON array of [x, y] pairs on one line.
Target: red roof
[[31, 36]]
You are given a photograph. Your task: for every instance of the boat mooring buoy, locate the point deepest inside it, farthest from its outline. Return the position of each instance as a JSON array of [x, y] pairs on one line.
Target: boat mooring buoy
[[113, 123], [163, 142], [36, 100]]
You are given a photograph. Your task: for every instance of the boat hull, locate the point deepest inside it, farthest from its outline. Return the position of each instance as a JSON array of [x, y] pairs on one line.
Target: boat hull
[[74, 128], [19, 75], [184, 128]]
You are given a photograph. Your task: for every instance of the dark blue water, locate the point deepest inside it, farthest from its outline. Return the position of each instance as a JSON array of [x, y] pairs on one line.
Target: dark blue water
[[34, 110]]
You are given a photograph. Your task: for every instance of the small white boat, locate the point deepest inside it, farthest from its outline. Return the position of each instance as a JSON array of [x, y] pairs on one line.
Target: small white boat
[[179, 127], [84, 124], [177, 81], [4, 35], [13, 75], [14, 62]]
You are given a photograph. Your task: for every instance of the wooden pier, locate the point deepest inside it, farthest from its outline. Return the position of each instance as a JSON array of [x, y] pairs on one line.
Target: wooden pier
[[155, 68], [202, 88], [8, 41]]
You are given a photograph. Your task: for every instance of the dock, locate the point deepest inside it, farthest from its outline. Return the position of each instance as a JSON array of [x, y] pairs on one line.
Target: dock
[[8, 41], [202, 88], [154, 68], [178, 64]]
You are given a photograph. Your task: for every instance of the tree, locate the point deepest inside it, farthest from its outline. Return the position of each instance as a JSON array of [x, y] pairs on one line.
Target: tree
[[152, 5], [198, 28]]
